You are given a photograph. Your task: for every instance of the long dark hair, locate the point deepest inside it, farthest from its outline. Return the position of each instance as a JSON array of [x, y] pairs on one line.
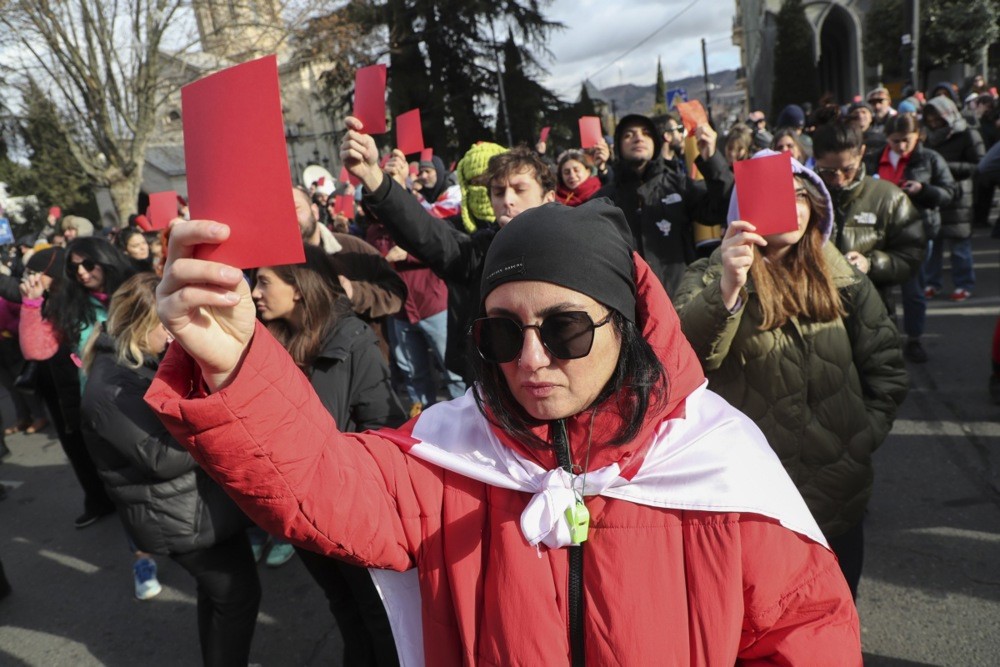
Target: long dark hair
[[69, 307], [637, 385], [322, 305]]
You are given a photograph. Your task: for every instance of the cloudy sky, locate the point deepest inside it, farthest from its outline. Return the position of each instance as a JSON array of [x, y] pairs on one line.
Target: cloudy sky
[[599, 32]]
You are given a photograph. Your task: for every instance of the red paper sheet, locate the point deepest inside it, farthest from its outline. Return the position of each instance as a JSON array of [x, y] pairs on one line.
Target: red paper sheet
[[544, 136], [765, 193], [344, 205], [162, 209], [369, 98], [237, 165], [590, 131], [692, 115], [346, 176], [427, 155], [409, 134]]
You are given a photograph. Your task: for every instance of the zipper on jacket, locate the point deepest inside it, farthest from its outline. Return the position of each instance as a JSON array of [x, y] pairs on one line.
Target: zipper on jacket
[[561, 443]]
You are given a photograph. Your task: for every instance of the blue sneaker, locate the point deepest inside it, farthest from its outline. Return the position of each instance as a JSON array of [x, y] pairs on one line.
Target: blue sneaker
[[280, 553], [144, 573]]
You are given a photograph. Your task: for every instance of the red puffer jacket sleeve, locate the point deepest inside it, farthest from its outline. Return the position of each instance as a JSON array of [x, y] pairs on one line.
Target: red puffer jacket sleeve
[[267, 439], [37, 337], [798, 608]]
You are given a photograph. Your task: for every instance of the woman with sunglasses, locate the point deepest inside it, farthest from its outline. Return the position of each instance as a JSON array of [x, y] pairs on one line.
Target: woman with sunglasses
[[55, 322], [165, 501], [304, 307], [583, 501], [799, 341]]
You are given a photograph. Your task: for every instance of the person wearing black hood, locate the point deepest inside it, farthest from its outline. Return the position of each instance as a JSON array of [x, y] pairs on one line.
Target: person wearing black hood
[[441, 197], [661, 205], [961, 146]]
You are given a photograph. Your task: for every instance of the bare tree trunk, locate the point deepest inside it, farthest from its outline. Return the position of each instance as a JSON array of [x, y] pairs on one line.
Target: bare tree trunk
[[125, 195]]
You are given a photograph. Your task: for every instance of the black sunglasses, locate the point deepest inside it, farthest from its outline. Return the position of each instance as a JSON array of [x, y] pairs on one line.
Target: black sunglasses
[[568, 335], [88, 265]]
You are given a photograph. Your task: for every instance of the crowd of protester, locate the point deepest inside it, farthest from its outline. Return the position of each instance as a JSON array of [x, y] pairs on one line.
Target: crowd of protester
[[427, 292]]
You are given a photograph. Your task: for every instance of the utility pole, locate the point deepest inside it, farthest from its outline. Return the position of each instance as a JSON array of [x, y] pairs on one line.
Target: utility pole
[[708, 86], [503, 95], [911, 41]]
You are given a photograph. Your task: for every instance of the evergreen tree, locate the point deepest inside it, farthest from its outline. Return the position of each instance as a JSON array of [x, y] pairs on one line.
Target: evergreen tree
[[442, 59], [951, 31], [796, 77], [531, 105], [55, 176], [585, 106], [660, 101]]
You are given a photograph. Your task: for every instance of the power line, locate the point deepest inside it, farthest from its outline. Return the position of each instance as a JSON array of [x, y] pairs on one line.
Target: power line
[[642, 41]]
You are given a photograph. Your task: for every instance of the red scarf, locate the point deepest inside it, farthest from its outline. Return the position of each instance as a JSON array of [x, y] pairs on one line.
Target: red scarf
[[886, 172], [583, 192]]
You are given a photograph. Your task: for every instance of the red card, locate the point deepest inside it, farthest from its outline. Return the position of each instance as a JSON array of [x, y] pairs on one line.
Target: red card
[[692, 115], [765, 193], [590, 131], [162, 209], [234, 133], [344, 205], [348, 177], [427, 155], [544, 136], [369, 98], [409, 134], [452, 166], [414, 169]]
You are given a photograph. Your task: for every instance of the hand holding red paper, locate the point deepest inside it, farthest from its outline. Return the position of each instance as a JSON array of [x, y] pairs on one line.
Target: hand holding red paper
[[234, 132], [206, 306], [590, 131], [765, 193], [692, 115], [409, 132], [369, 98], [360, 155], [737, 252]]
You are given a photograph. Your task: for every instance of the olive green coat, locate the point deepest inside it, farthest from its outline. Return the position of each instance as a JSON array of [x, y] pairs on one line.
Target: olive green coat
[[824, 394]]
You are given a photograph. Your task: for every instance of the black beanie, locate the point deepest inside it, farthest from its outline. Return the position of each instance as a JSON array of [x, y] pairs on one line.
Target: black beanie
[[48, 261], [582, 248], [637, 119]]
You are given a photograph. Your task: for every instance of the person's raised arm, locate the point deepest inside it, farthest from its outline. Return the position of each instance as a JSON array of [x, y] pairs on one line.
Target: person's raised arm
[[206, 306]]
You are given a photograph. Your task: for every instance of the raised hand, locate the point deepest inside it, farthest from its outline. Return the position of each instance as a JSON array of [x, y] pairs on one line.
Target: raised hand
[[360, 155], [206, 306], [737, 258], [706, 138]]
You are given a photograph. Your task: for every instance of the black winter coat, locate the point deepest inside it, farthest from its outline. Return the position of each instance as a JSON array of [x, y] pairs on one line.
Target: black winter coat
[[661, 206], [962, 151], [928, 168], [351, 379], [167, 503], [456, 257]]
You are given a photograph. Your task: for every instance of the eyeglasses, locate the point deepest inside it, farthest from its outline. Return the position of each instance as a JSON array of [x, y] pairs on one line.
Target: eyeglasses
[[567, 335], [674, 130], [848, 171], [88, 265], [878, 100]]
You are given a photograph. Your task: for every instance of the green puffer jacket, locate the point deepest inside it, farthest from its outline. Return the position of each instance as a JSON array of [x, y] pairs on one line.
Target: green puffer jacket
[[876, 218], [824, 394]]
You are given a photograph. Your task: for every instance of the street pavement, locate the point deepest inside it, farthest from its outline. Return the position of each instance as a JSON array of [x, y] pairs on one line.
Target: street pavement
[[930, 594]]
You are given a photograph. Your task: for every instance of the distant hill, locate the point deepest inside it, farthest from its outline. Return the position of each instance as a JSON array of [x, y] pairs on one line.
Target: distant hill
[[630, 98]]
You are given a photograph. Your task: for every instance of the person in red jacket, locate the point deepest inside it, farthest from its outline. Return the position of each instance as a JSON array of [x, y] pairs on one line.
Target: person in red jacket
[[589, 501]]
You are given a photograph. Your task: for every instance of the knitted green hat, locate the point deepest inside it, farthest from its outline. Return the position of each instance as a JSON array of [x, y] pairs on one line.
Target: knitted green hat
[[476, 198]]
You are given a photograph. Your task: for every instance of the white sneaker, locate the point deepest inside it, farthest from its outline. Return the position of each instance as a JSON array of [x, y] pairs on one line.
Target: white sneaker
[[144, 573]]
